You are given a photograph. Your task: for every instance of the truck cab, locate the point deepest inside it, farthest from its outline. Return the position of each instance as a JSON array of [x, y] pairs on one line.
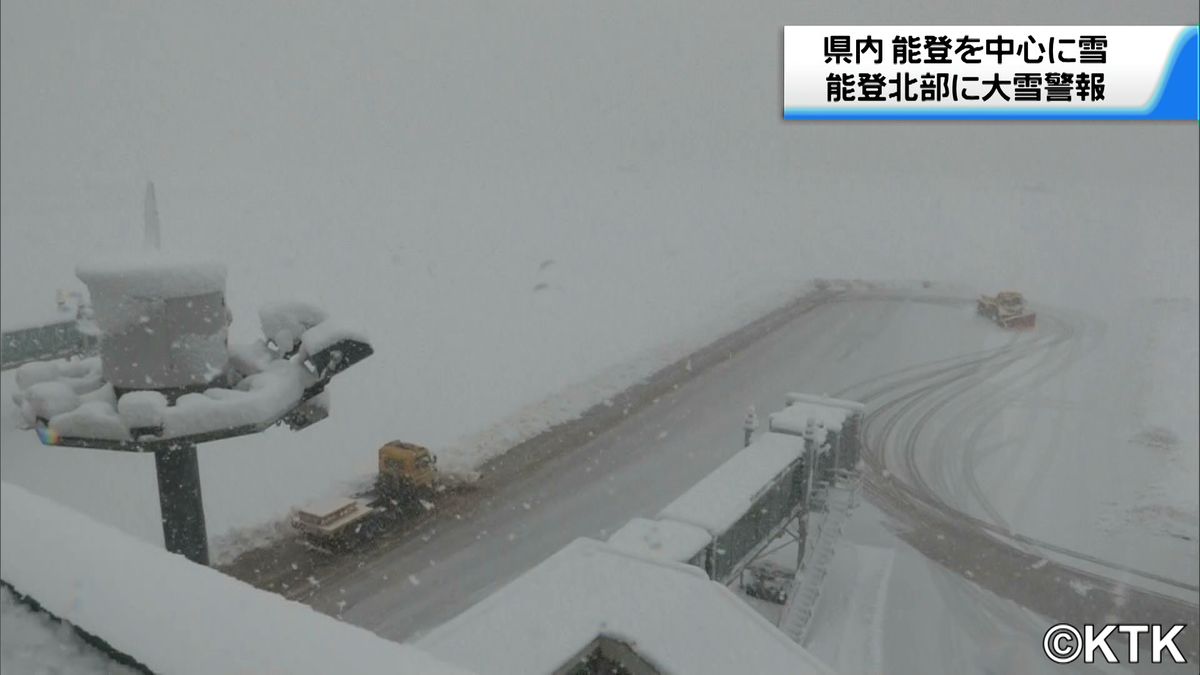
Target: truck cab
[[406, 468]]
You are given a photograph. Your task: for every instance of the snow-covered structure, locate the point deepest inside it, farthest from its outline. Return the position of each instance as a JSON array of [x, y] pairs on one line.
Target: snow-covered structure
[[745, 501], [831, 422], [167, 379], [595, 604], [163, 322], [663, 540], [170, 615]]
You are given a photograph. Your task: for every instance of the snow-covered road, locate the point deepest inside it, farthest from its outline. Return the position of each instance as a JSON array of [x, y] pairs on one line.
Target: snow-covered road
[[942, 384]]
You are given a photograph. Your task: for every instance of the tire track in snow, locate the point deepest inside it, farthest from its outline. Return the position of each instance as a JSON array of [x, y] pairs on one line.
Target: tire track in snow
[[965, 543]]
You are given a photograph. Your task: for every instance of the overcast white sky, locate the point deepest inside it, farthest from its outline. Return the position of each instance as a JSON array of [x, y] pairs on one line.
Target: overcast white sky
[[635, 140]]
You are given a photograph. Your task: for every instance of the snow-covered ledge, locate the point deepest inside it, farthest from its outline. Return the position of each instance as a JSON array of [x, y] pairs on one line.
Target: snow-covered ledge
[[170, 615]]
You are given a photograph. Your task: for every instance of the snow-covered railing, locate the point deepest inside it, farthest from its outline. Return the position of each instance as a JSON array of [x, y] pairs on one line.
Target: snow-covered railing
[[805, 590], [172, 616], [744, 501], [834, 425], [47, 341]]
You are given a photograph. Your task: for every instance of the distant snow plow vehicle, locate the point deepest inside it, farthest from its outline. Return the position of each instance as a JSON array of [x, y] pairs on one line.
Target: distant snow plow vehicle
[[1007, 309], [407, 476]]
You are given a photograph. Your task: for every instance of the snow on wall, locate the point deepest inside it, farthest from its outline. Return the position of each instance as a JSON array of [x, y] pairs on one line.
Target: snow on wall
[[170, 614], [724, 496], [670, 613]]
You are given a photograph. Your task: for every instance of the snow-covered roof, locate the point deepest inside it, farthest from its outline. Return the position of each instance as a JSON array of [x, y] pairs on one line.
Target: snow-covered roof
[[172, 615], [723, 496], [153, 275], [794, 418], [328, 506], [669, 613], [820, 399], [662, 539]]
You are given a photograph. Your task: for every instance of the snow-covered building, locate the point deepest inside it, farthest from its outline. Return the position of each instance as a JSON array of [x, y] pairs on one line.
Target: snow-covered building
[[594, 607]]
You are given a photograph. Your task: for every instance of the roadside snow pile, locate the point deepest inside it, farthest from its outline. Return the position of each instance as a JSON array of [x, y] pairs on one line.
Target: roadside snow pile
[[726, 494], [35, 643], [664, 614], [168, 613]]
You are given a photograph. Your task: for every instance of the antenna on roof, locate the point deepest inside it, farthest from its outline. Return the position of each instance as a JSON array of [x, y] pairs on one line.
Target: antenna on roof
[[153, 236]]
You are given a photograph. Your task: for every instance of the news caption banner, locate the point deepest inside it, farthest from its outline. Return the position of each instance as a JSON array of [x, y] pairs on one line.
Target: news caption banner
[[991, 73]]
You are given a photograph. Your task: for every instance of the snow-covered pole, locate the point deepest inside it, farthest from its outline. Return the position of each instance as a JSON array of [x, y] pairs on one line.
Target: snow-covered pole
[[810, 460], [153, 233], [750, 425], [180, 502]]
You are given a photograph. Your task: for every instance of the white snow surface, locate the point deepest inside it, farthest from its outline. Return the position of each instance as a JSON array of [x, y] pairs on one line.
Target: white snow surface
[[670, 613], [286, 321], [716, 502], [662, 539], [257, 399], [34, 643], [142, 409], [167, 612], [151, 275], [327, 333], [646, 232], [794, 418], [794, 397]]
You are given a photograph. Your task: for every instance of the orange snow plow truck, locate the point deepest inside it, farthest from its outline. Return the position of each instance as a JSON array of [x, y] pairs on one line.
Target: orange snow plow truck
[[1008, 309]]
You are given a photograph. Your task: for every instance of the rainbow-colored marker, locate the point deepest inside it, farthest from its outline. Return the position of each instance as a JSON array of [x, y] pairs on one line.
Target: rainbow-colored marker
[[47, 435]]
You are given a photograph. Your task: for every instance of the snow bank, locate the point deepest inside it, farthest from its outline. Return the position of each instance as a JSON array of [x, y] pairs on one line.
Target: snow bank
[[660, 539], [671, 615], [172, 615], [724, 496]]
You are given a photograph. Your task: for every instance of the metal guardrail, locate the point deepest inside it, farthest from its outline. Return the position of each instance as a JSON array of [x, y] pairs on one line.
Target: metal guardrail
[[40, 343]]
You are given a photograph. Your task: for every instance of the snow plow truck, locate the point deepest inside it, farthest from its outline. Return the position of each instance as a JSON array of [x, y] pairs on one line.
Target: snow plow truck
[[407, 477], [1006, 308]]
